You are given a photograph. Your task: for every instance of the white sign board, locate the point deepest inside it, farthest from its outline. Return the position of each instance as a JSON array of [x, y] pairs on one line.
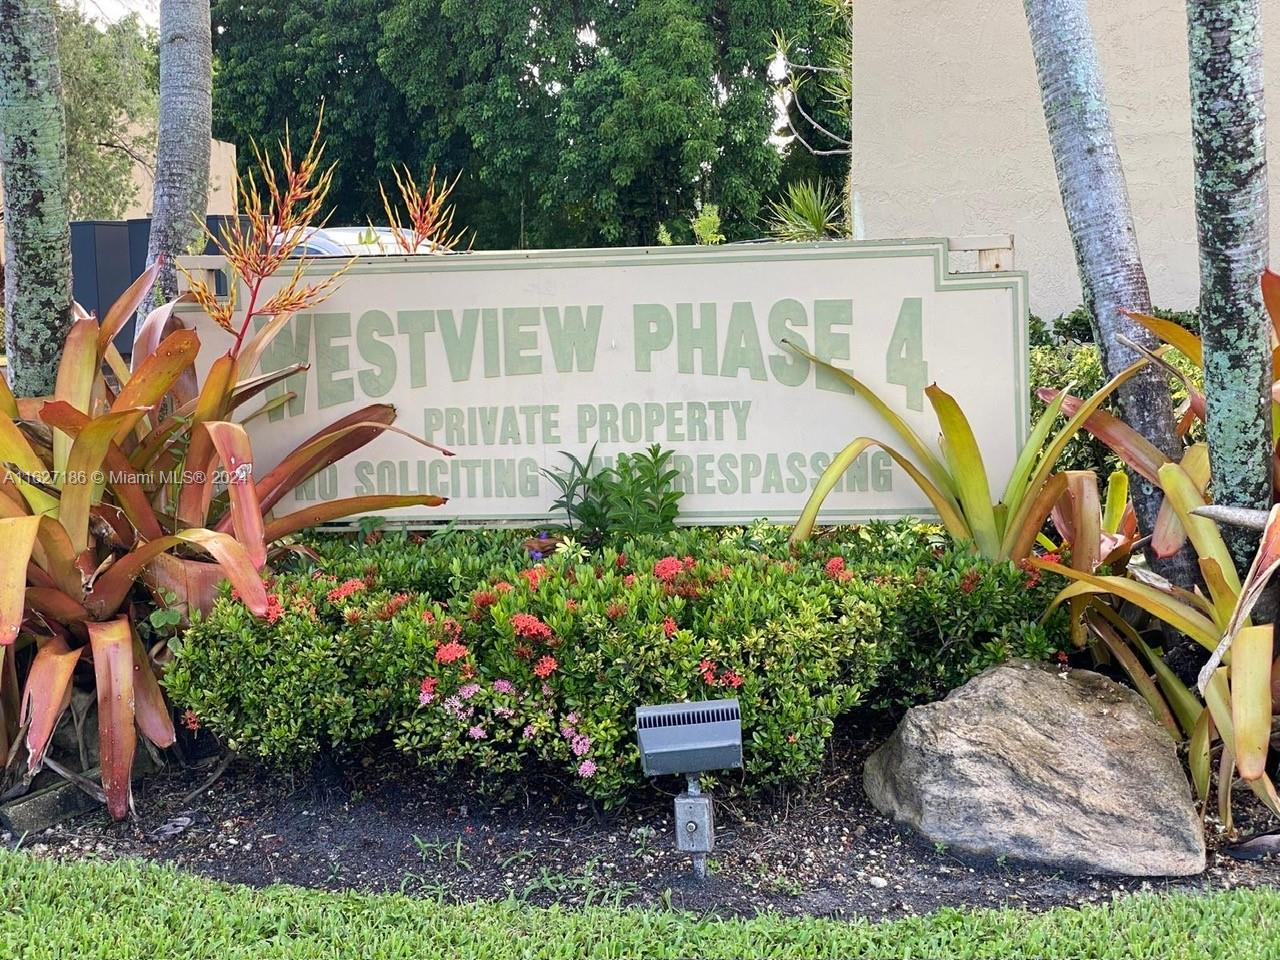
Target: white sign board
[[508, 359]]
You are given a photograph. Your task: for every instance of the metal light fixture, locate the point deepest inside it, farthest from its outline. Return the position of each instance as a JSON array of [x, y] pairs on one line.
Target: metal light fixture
[[691, 739]]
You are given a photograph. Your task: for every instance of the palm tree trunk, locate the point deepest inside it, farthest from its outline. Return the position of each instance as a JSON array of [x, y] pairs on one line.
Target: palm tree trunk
[[33, 158], [1228, 124], [1096, 201], [182, 149]]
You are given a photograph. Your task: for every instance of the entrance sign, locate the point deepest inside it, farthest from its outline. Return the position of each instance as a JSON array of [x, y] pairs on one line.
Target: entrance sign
[[508, 359]]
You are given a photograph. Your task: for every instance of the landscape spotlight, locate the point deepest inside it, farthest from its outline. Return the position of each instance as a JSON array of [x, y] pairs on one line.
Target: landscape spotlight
[[691, 739]]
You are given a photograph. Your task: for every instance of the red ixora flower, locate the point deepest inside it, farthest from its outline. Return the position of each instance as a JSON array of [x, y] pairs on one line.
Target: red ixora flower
[[274, 610], [427, 692], [667, 569], [528, 626], [620, 561], [629, 580], [969, 582], [451, 651], [731, 679], [535, 575], [571, 604], [834, 566], [1033, 573], [428, 616], [502, 587], [669, 626], [708, 670], [393, 606], [484, 598], [191, 721], [616, 610], [545, 667], [452, 629], [345, 589]]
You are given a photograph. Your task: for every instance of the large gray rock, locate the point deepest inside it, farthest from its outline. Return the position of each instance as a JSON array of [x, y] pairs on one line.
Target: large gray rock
[[1060, 768]]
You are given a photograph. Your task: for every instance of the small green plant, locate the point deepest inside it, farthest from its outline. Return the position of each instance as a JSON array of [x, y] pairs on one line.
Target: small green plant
[[636, 496], [809, 211], [706, 225]]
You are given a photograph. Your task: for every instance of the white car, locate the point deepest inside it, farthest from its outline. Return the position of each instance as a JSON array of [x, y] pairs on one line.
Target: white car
[[350, 241]]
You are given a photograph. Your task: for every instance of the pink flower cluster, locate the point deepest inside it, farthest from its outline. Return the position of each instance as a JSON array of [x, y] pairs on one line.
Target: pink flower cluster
[[345, 589]]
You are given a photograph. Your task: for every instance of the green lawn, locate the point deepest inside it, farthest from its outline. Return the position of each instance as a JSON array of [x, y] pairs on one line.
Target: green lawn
[[134, 910]]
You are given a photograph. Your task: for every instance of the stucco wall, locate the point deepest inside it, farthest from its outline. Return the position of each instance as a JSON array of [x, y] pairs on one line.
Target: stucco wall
[[950, 137], [222, 182]]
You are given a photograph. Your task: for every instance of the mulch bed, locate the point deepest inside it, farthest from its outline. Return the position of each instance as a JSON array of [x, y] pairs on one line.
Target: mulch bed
[[384, 824]]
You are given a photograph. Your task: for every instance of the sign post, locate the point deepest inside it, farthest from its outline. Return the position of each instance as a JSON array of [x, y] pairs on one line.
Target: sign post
[[510, 358]]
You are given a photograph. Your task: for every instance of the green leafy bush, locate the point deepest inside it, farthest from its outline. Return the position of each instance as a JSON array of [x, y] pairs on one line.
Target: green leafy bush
[[634, 496], [1057, 364], [472, 656]]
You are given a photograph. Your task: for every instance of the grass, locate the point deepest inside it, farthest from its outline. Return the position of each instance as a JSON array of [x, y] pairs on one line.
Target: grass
[[131, 909]]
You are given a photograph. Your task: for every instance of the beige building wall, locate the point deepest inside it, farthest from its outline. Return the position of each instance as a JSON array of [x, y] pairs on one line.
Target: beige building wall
[[950, 138], [222, 183]]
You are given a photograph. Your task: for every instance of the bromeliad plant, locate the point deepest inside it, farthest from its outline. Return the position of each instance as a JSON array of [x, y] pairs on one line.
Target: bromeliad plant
[[133, 478], [1236, 683], [956, 483]]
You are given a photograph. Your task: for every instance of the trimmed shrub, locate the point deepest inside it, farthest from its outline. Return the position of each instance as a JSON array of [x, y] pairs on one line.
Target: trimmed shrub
[[471, 655]]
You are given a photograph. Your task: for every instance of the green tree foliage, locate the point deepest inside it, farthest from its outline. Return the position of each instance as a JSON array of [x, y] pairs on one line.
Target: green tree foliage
[[109, 91], [573, 124]]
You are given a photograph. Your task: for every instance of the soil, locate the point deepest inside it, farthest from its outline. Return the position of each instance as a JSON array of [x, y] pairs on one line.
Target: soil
[[384, 824]]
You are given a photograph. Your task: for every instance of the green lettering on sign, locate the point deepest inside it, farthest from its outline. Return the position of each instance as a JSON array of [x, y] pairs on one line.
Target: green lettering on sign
[[333, 358], [904, 362]]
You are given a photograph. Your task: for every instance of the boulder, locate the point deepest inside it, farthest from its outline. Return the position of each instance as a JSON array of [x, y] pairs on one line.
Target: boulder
[[1063, 769]]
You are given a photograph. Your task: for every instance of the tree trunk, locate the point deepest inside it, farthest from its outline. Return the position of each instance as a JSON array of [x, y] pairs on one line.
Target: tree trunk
[[185, 128], [33, 158], [1228, 125], [1096, 201]]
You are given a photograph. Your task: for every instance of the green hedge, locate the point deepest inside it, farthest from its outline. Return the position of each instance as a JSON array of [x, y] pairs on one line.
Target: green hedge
[[470, 653]]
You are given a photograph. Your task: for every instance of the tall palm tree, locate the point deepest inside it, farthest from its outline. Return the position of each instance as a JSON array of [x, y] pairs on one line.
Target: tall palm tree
[[1228, 125], [182, 147], [1096, 200], [33, 162]]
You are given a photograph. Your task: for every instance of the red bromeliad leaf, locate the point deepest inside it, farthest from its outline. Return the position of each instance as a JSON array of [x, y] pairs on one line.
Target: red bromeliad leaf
[[18, 534], [10, 698], [194, 498], [328, 446], [112, 645], [1130, 446], [336, 509], [1265, 563], [110, 589], [231, 442], [76, 372], [126, 306], [1169, 535], [158, 323], [121, 476], [1271, 299], [47, 694], [54, 604], [81, 487], [152, 380], [1020, 536], [154, 717], [1177, 336], [1251, 699]]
